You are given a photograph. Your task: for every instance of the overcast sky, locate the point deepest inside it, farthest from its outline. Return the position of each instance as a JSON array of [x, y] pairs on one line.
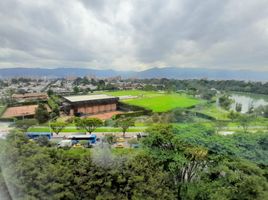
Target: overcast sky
[[134, 34]]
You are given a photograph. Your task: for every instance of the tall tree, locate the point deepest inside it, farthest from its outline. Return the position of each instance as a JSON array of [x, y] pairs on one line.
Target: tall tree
[[238, 107], [225, 102], [232, 115], [89, 124], [41, 113], [244, 121], [124, 124], [57, 126]]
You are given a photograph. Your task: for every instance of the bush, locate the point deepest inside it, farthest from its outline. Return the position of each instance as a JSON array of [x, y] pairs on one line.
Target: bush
[[109, 122], [25, 124], [133, 114]]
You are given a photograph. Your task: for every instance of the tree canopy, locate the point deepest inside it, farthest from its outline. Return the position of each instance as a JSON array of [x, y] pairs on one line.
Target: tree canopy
[[89, 124]]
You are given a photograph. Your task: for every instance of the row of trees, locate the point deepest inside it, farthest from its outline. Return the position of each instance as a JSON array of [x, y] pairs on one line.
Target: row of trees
[[204, 84], [90, 124]]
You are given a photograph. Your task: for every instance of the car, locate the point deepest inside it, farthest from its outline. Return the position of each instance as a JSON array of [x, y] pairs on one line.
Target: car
[[120, 139], [65, 143], [119, 145], [77, 146]]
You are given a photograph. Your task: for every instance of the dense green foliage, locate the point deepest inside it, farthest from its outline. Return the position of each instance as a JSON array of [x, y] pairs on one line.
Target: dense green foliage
[[88, 124], [199, 85], [41, 113], [53, 103], [225, 102], [57, 126], [124, 124], [205, 165], [35, 172], [189, 162], [25, 123]]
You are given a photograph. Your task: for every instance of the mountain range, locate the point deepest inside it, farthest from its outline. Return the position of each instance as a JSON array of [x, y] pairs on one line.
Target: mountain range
[[167, 72]]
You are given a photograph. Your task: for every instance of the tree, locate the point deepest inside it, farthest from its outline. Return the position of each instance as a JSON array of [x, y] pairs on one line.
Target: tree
[[50, 92], [124, 124], [155, 118], [250, 108], [41, 113], [244, 121], [229, 179], [110, 138], [225, 102], [232, 115], [57, 127], [89, 124], [76, 90], [207, 94], [179, 115], [265, 112], [238, 107], [182, 160], [25, 124], [43, 141], [220, 125], [148, 87]]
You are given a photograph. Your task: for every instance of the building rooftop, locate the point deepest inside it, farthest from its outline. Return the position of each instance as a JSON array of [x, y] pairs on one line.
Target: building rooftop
[[20, 111], [30, 95], [88, 97]]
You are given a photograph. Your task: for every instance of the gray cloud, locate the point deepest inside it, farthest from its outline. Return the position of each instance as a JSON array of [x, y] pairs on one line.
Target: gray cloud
[[125, 34]]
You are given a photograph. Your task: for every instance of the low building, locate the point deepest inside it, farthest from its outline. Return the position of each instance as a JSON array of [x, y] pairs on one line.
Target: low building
[[21, 111], [89, 104], [30, 96]]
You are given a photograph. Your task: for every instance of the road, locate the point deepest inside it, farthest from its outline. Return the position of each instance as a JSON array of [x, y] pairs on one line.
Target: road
[[99, 134]]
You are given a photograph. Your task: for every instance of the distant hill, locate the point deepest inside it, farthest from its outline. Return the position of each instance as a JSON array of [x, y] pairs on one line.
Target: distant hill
[[168, 72], [197, 73], [57, 72]]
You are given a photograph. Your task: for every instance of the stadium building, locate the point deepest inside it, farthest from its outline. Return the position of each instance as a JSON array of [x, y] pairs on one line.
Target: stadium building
[[89, 104]]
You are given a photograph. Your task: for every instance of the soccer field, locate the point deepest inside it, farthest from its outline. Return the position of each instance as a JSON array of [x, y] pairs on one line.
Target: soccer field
[[155, 100], [164, 102]]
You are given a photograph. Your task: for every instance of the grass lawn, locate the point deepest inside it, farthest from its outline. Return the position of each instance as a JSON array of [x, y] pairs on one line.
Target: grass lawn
[[214, 111], [164, 102], [155, 100]]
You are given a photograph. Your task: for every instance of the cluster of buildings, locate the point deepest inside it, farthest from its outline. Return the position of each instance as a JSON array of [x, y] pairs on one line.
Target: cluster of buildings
[[79, 105], [24, 85], [23, 95]]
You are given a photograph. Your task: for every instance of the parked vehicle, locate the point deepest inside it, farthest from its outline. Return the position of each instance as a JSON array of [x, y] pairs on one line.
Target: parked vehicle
[[35, 135], [76, 140]]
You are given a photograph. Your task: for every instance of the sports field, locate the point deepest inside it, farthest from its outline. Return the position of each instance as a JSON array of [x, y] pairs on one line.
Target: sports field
[[157, 101]]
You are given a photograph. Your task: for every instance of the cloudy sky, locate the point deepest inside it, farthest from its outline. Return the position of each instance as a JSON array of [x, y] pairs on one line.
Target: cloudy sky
[[134, 34]]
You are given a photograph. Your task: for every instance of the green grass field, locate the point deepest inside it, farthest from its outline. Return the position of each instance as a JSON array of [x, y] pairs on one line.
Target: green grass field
[[156, 101], [214, 111], [164, 102], [74, 130]]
